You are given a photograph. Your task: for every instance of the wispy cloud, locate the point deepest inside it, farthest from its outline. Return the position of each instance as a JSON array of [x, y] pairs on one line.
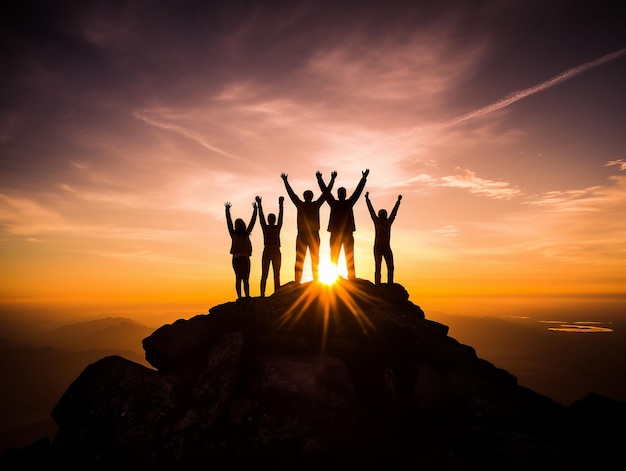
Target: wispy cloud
[[447, 231], [186, 133], [621, 163], [151, 257], [590, 199], [468, 180], [25, 216]]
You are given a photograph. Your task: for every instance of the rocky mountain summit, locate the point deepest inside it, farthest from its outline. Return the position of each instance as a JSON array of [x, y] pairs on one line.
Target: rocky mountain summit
[[319, 377]]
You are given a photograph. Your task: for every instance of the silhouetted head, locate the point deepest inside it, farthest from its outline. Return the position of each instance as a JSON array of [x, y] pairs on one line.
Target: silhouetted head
[[341, 193], [240, 226], [382, 214], [271, 219], [308, 195]]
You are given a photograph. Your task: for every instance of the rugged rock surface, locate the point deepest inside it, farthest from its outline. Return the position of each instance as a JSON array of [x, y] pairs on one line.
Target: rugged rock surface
[[317, 377]]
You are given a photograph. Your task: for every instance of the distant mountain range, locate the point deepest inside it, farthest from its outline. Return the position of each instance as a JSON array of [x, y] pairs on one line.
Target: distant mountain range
[[116, 333], [37, 369]]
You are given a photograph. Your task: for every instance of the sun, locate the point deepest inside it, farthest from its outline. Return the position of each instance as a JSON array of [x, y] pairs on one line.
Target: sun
[[327, 272]]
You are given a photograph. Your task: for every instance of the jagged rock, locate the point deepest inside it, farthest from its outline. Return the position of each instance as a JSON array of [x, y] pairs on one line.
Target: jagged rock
[[312, 377], [114, 408], [295, 320]]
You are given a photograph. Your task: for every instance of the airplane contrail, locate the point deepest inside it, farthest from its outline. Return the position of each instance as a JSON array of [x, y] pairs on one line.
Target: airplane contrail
[[518, 95]]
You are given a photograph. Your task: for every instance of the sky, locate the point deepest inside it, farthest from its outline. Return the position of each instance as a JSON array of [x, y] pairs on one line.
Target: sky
[[126, 125]]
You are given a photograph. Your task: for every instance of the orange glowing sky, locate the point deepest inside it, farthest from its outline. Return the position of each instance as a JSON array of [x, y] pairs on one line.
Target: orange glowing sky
[[125, 126]]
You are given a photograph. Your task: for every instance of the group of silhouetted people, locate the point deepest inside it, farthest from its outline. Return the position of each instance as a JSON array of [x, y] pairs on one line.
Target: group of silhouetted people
[[341, 226]]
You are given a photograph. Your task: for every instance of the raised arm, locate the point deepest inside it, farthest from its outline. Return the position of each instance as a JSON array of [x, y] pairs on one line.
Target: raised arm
[[261, 215], [394, 211], [229, 219], [360, 186], [369, 206], [290, 191], [252, 219], [281, 200], [326, 190]]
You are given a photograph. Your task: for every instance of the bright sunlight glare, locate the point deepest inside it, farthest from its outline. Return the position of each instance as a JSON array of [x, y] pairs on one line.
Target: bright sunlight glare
[[327, 272]]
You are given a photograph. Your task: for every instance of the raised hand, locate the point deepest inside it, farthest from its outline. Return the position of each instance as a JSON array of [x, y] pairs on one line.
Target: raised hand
[[254, 204], [367, 195], [283, 176], [281, 200], [333, 174], [258, 199], [318, 174], [366, 172], [399, 197], [227, 204]]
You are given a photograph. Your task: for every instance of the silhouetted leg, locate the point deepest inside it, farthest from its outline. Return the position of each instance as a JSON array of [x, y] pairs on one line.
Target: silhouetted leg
[[265, 267], [389, 260], [238, 286], [348, 248], [276, 263], [246, 275], [377, 264], [314, 251], [335, 248], [300, 254], [238, 278]]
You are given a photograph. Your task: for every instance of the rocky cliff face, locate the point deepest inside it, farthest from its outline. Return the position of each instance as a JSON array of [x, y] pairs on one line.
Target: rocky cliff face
[[317, 377]]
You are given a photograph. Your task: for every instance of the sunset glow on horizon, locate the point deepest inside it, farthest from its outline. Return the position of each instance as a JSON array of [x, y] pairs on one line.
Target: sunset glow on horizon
[[124, 129]]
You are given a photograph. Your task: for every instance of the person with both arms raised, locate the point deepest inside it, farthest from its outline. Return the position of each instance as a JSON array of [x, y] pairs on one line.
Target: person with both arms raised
[[241, 248], [308, 222], [341, 224], [271, 241], [382, 238]]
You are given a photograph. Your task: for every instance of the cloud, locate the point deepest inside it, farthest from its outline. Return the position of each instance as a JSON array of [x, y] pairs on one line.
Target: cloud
[[151, 256], [468, 180], [590, 199], [182, 131], [447, 231], [419, 69], [620, 163], [23, 216]]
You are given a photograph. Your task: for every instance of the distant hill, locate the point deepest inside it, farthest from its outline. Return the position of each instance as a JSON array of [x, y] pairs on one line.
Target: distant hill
[[115, 333], [34, 375], [9, 343]]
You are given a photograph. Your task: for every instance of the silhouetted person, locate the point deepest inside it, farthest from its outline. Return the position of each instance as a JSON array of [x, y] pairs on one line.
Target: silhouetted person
[[382, 239], [341, 224], [271, 241], [308, 227], [241, 248]]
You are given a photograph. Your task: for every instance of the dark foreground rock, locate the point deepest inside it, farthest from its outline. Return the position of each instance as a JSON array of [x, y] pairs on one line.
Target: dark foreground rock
[[315, 377]]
